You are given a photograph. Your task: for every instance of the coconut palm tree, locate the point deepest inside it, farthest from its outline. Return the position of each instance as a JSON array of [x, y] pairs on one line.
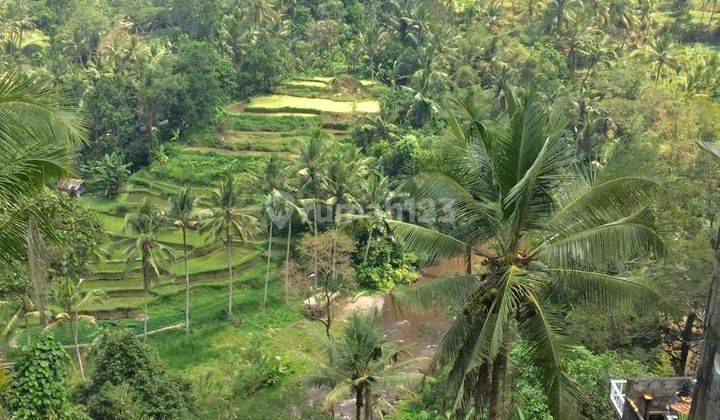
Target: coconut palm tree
[[310, 174], [600, 51], [181, 207], [146, 222], [559, 15], [660, 51], [345, 173], [40, 130], [541, 229], [227, 221], [280, 207], [360, 364], [377, 199], [71, 299]]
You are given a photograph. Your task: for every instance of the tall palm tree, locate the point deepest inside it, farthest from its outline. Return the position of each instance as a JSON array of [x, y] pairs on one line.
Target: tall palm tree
[[71, 299], [226, 221], [542, 229], [181, 207], [146, 222], [310, 175], [40, 130], [345, 173], [559, 15], [377, 199], [281, 208], [660, 51], [599, 51], [360, 364]]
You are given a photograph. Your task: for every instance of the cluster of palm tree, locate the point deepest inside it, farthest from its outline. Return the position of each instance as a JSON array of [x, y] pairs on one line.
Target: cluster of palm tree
[[547, 236]]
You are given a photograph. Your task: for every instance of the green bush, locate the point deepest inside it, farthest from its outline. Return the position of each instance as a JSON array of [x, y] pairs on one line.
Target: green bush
[[203, 169], [37, 390], [122, 360], [386, 267], [591, 371], [260, 370]]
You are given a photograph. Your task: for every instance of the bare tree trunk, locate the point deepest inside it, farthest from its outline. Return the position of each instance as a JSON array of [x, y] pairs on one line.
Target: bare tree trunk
[[686, 338], [230, 273], [187, 284], [706, 401], [287, 259], [367, 246], [267, 270], [496, 406]]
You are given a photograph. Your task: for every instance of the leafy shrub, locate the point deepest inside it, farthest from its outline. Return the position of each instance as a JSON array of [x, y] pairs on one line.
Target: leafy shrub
[[116, 402], [108, 175], [395, 104], [203, 169], [591, 371], [37, 390], [260, 370], [122, 360], [386, 267]]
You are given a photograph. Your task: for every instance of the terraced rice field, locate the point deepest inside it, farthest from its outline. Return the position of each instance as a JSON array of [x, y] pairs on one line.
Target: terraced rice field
[[274, 124]]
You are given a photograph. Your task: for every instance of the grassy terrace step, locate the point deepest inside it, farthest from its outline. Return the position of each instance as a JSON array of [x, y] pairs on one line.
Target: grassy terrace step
[[210, 263], [286, 103], [238, 153], [114, 226], [133, 298], [262, 141], [308, 83]]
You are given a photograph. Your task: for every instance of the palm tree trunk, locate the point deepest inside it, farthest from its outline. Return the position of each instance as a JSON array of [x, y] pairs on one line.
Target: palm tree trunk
[[496, 409], [287, 259], [358, 403], [145, 316], [74, 332], [367, 246], [328, 316], [368, 405], [468, 260], [267, 270], [230, 273], [587, 73], [316, 234], [187, 285]]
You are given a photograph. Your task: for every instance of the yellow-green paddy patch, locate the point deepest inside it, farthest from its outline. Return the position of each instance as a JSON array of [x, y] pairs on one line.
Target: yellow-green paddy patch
[[286, 103]]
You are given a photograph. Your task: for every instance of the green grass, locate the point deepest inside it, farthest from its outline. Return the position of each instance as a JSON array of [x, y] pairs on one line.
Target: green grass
[[273, 122], [185, 167], [262, 141]]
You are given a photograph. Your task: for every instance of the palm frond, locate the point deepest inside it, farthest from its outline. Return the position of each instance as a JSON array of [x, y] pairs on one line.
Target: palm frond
[[427, 241], [546, 346], [610, 290], [606, 244], [435, 295]]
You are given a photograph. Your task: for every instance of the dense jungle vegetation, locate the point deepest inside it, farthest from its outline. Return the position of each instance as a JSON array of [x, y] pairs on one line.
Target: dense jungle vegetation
[[404, 209]]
